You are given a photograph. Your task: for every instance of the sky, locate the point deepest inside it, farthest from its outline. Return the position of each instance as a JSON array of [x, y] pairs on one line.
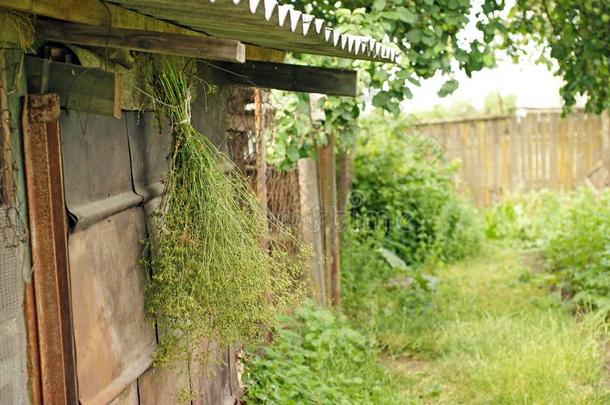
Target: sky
[[533, 85]]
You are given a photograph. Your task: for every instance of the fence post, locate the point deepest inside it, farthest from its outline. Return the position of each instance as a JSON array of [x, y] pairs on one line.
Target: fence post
[[328, 198], [606, 144], [311, 227]]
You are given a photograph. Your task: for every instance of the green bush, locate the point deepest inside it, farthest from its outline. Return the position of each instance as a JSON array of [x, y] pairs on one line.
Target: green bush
[[578, 249], [404, 183], [318, 359], [525, 219]]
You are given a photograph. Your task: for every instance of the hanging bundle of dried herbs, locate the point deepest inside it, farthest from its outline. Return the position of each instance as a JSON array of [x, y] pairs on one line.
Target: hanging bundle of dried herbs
[[211, 276]]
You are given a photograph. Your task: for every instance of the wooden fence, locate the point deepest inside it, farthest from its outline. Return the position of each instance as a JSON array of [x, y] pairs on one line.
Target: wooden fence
[[540, 150]]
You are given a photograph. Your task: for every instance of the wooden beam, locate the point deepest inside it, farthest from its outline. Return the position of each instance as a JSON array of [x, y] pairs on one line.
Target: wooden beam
[[309, 79], [86, 90], [98, 13], [262, 54], [94, 12], [311, 228], [141, 40]]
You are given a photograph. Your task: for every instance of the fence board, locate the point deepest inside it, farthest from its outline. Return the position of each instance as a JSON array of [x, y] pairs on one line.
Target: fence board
[[509, 154]]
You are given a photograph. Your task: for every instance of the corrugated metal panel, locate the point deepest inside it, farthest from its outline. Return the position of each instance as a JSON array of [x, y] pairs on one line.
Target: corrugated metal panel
[[264, 23], [150, 149]]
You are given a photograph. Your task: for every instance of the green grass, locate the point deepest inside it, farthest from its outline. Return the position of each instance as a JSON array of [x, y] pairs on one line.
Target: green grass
[[499, 337]]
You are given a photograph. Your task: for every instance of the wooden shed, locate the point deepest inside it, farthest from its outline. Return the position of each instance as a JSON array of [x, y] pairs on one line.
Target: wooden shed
[[81, 172]]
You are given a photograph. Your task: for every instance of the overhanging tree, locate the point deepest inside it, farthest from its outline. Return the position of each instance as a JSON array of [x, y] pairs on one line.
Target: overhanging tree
[[571, 36]]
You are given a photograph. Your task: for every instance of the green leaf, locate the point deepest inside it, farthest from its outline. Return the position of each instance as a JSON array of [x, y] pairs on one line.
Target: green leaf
[[392, 258], [414, 36], [405, 15], [448, 87], [292, 153], [381, 99]]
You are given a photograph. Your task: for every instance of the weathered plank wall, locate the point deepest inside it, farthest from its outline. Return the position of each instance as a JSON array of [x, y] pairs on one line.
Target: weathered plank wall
[[113, 170], [541, 150]]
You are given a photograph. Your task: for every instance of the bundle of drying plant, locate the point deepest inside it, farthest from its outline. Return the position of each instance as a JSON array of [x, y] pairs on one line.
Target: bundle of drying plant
[[211, 276]]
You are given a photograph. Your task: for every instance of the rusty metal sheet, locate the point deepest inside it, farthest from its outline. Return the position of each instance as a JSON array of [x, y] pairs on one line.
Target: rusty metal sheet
[[128, 397], [212, 383], [150, 145], [97, 167], [162, 385], [114, 341]]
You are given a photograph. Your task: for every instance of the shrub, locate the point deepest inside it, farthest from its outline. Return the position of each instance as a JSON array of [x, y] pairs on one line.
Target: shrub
[[579, 248], [406, 185], [318, 359], [524, 219]]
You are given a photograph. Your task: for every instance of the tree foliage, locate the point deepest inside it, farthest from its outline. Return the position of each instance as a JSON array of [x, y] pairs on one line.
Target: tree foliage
[[575, 36], [571, 36]]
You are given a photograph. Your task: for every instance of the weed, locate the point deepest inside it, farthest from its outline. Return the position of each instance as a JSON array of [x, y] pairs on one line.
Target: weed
[[318, 359]]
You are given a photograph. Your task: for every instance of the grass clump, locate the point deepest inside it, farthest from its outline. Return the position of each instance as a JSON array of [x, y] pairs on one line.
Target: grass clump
[[386, 299], [211, 276], [578, 249]]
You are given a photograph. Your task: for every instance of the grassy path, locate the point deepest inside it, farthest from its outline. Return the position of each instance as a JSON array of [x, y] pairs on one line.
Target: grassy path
[[499, 337]]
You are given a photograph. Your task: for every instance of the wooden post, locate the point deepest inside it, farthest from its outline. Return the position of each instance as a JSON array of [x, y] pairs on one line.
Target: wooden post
[[328, 193], [261, 163], [606, 144], [345, 173], [311, 227]]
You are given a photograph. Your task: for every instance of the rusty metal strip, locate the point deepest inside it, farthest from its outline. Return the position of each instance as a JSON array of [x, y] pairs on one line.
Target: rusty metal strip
[[34, 379], [48, 239]]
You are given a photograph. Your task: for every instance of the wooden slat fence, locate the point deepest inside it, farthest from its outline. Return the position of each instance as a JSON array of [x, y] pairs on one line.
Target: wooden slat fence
[[540, 150]]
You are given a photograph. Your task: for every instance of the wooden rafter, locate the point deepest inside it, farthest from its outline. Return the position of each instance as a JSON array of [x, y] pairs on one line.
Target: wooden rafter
[[141, 40], [309, 79], [98, 23]]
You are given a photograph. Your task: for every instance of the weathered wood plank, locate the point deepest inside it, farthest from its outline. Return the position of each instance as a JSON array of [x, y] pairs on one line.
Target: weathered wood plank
[[80, 89], [309, 79], [328, 200], [95, 12], [141, 40]]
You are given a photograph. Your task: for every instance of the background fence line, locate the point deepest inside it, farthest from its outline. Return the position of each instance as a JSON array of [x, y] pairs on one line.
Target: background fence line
[[501, 155]]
